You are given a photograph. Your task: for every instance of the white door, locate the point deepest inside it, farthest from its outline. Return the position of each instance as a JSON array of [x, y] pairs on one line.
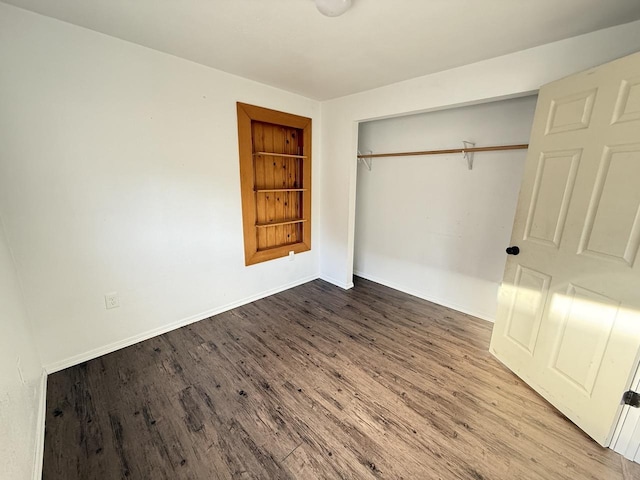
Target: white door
[[568, 320]]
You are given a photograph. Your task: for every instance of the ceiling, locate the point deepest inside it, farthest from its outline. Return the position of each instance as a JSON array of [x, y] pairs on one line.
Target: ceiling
[[290, 45]]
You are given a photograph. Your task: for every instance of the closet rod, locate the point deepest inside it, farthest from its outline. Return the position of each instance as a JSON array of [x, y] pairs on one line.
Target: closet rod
[[522, 146]]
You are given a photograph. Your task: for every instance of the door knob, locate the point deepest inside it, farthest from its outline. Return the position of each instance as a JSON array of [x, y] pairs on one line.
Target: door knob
[[513, 250]]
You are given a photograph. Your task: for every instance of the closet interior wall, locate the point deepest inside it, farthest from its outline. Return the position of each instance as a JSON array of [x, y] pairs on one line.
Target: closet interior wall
[[429, 226]]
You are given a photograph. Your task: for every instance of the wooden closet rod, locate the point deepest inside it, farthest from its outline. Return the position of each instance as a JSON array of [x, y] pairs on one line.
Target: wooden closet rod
[[522, 146]]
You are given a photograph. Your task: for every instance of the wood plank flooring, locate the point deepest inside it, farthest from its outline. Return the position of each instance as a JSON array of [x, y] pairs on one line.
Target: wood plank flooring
[[315, 382]]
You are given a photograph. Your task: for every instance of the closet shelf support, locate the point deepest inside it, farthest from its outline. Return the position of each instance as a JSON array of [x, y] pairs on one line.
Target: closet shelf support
[[468, 155], [366, 159]]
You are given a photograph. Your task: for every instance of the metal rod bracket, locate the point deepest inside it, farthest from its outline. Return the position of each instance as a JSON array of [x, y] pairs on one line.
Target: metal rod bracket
[[468, 155], [367, 161]]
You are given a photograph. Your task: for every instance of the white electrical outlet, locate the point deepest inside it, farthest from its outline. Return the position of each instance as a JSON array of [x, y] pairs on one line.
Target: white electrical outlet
[[291, 254], [111, 300]]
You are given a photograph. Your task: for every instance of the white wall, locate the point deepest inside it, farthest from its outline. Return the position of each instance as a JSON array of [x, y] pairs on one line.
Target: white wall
[[506, 76], [119, 172], [428, 225], [21, 375]]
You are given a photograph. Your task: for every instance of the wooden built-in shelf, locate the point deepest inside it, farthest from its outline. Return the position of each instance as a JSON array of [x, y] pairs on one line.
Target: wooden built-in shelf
[[275, 176], [272, 154], [276, 224]]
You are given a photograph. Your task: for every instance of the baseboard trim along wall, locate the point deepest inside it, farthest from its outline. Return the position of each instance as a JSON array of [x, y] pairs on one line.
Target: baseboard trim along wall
[[439, 301], [333, 281], [127, 342], [38, 458]]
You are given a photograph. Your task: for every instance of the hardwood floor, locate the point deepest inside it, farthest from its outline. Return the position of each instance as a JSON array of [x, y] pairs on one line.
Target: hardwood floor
[[314, 382]]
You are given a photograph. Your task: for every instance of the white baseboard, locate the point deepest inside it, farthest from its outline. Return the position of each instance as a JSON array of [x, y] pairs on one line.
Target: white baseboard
[[127, 342], [439, 301], [337, 283], [42, 414]]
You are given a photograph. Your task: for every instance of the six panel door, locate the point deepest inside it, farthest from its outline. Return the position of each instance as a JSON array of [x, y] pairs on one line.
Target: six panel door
[[568, 319]]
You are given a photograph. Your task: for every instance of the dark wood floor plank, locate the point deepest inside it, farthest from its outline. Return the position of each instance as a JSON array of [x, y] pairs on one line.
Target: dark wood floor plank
[[314, 382]]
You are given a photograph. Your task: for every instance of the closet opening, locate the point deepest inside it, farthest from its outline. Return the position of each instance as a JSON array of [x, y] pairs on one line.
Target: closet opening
[[430, 225]]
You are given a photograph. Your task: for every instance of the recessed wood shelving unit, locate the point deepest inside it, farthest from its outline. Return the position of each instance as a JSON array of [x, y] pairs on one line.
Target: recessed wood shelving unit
[[275, 175]]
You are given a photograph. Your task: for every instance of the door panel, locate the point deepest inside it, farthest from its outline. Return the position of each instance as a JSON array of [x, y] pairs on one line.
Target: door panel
[[571, 112], [628, 105], [568, 319], [612, 227], [552, 189], [586, 322], [523, 321]]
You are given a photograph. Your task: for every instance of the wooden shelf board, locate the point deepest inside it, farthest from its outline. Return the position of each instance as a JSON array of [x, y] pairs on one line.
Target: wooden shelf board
[[273, 154], [275, 224], [266, 190]]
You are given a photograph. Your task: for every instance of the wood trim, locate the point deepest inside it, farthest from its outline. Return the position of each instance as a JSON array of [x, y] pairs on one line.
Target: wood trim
[[306, 227], [247, 182], [276, 252], [274, 116]]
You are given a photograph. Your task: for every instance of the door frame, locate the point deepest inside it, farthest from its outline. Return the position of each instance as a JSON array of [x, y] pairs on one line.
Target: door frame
[[626, 437]]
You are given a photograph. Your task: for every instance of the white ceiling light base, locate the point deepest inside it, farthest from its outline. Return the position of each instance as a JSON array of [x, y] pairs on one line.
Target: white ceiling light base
[[333, 8]]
